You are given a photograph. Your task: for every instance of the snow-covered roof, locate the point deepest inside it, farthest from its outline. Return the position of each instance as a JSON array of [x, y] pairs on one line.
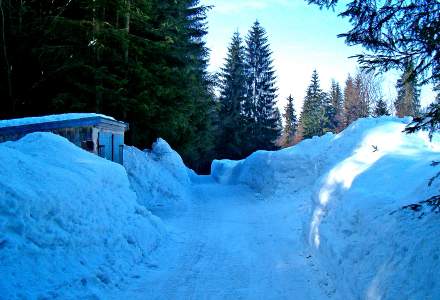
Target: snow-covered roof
[[54, 122], [50, 118]]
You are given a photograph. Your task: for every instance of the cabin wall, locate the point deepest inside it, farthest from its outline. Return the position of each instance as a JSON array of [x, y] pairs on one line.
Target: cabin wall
[[77, 136], [102, 139]]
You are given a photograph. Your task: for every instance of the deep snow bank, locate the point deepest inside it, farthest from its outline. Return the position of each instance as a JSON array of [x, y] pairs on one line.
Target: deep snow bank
[[373, 248], [70, 225], [357, 182], [158, 176]]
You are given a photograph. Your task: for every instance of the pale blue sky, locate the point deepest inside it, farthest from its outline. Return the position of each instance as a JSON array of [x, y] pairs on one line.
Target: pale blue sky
[[302, 38]]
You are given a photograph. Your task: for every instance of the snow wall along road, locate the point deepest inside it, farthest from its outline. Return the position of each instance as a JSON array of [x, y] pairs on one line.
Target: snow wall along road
[[357, 183], [70, 225]]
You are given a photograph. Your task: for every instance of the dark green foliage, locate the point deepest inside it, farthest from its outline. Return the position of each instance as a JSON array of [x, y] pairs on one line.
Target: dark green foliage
[[408, 94], [259, 107], [231, 140], [381, 109], [248, 118], [142, 61], [337, 102], [317, 110], [430, 121], [291, 123]]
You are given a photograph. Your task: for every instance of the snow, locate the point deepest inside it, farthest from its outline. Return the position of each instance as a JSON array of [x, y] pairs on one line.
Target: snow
[[320, 220], [357, 182], [231, 245], [159, 177], [70, 226], [49, 118]]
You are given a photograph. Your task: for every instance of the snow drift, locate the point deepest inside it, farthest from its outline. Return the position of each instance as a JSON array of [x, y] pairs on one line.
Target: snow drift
[[159, 177], [70, 226], [357, 183]]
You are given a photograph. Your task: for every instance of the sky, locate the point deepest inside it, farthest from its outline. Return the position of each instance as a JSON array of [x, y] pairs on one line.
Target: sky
[[302, 38]]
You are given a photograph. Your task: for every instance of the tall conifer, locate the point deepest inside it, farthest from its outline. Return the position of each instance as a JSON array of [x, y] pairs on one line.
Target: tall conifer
[[232, 96], [313, 116], [291, 123], [259, 107]]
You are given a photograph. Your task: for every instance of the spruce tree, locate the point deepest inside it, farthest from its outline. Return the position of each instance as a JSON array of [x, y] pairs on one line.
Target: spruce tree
[[230, 143], [143, 62], [350, 101], [259, 107], [381, 109], [291, 123], [337, 100], [313, 116], [328, 114], [279, 121], [408, 94]]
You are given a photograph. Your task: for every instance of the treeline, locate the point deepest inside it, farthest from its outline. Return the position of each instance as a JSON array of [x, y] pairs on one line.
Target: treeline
[[336, 109], [141, 61], [145, 62], [249, 119]]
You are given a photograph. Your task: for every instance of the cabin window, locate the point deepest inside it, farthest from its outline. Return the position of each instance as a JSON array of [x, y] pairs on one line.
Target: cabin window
[[88, 145]]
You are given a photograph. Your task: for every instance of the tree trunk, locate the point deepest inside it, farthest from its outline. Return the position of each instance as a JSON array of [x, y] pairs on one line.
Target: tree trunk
[[127, 29]]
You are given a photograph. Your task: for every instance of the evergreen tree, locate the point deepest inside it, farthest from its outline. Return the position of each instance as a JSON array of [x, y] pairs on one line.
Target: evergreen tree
[[291, 123], [408, 94], [337, 101], [313, 116], [140, 61], [350, 101], [279, 121], [259, 107], [381, 109], [329, 114], [232, 95]]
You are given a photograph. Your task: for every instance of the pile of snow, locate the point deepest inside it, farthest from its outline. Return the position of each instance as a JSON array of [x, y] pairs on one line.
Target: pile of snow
[[371, 246], [50, 118], [357, 183], [70, 226], [265, 171], [159, 177]]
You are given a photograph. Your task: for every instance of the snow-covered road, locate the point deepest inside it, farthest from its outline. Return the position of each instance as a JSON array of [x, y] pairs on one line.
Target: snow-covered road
[[231, 244]]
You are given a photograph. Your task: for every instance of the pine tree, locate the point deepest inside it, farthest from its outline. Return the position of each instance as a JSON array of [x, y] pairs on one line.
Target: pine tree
[[350, 100], [230, 143], [408, 94], [329, 114], [337, 100], [259, 107], [143, 62], [279, 121], [381, 109], [313, 116], [291, 123]]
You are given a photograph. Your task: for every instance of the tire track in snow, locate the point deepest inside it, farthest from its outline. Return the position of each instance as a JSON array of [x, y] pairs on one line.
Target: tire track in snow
[[232, 244]]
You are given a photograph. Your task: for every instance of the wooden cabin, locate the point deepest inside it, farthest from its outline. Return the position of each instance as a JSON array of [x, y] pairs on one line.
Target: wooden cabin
[[95, 133]]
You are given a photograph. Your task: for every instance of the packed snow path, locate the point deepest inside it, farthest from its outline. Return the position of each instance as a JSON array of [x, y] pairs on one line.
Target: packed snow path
[[231, 244]]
